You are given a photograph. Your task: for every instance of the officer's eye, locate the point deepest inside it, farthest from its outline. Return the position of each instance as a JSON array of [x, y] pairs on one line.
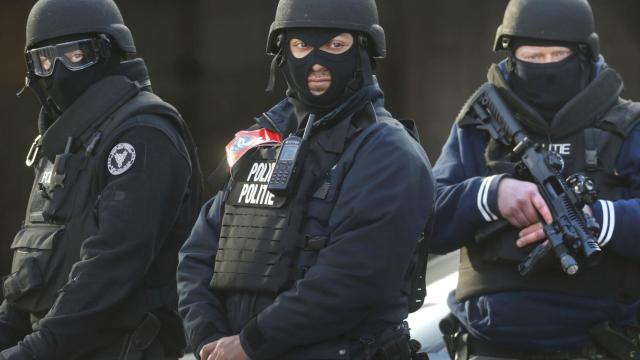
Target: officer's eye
[[45, 62], [532, 58], [339, 44], [75, 56], [299, 48], [299, 44], [561, 55]]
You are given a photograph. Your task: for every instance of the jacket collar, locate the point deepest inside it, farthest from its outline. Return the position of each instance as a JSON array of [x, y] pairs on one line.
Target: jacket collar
[[279, 118], [582, 111], [337, 123], [87, 113], [93, 107]]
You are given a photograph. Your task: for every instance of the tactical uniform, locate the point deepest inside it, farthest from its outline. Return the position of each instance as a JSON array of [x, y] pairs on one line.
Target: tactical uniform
[[116, 191], [320, 271], [548, 314]]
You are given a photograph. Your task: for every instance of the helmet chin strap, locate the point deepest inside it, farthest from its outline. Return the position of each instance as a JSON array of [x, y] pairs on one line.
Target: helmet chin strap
[[48, 104], [278, 61], [364, 71]]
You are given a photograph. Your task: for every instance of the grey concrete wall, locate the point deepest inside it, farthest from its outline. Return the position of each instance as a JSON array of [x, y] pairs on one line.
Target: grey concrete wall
[[207, 57]]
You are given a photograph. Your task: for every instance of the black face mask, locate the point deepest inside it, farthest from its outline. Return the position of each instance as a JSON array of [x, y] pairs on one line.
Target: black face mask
[[548, 87], [343, 69], [64, 86]]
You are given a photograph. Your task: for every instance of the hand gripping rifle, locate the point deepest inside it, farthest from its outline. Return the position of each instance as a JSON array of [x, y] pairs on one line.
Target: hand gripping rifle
[[572, 233]]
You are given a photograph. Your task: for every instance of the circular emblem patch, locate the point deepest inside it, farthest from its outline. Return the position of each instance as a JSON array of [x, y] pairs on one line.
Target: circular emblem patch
[[121, 158]]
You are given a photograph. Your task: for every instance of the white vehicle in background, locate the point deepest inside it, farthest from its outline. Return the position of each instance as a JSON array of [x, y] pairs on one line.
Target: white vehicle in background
[[442, 277]]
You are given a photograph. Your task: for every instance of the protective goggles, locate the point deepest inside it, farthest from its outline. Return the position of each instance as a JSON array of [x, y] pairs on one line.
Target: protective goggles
[[75, 55]]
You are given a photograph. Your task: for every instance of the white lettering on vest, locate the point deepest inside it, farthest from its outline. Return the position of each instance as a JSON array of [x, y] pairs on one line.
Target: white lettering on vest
[[254, 168], [562, 149], [46, 177], [271, 167], [255, 194], [261, 172]]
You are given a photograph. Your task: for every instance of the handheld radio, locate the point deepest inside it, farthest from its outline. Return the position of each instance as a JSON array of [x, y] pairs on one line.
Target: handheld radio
[[290, 160]]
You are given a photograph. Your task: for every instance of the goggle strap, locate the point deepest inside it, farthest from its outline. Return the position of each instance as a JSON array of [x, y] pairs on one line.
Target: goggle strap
[[102, 47], [363, 66], [277, 61]]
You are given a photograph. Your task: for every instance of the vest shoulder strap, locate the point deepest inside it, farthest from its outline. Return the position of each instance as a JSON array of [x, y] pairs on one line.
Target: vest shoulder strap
[[412, 128], [464, 119], [148, 104], [145, 103], [622, 118], [408, 124]]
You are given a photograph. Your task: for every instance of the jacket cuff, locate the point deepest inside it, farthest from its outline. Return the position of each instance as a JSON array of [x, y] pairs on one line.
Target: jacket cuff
[[605, 214], [196, 351], [256, 345], [16, 353], [487, 198]]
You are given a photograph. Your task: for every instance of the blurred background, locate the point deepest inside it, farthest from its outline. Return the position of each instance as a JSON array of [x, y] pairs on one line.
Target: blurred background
[[207, 58]]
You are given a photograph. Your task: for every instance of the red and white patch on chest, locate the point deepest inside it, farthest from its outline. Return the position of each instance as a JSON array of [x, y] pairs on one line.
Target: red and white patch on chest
[[247, 140]]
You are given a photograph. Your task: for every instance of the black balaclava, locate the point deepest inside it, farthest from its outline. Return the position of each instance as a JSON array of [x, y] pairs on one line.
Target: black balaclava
[[345, 69], [63, 86], [549, 87]]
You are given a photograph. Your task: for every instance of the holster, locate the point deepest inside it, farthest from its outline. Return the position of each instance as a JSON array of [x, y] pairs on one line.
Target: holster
[[415, 346], [141, 339], [140, 344], [450, 329], [397, 349], [623, 344]]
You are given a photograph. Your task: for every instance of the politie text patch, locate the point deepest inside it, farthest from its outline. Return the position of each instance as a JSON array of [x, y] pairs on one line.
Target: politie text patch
[[251, 186]]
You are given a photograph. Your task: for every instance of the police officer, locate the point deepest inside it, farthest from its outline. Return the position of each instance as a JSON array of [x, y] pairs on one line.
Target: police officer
[[116, 190], [557, 84], [311, 263]]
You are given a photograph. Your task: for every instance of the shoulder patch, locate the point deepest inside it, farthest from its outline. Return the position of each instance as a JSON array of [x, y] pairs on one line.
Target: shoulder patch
[[248, 139], [121, 158]]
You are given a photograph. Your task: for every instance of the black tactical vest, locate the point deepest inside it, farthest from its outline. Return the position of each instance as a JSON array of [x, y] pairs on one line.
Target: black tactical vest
[[61, 212], [591, 149], [261, 235]]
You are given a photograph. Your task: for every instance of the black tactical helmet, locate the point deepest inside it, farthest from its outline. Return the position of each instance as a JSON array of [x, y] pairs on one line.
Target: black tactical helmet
[[357, 15], [50, 19], [555, 20]]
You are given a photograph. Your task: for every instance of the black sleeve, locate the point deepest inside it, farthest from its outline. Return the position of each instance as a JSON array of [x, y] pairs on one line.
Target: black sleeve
[[136, 210], [379, 215], [203, 311], [14, 325]]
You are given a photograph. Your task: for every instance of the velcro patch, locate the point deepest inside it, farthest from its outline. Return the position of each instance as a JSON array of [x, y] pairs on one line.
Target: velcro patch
[[121, 158], [247, 140]]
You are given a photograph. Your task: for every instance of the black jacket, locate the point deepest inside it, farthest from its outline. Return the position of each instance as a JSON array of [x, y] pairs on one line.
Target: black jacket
[[373, 213], [98, 254]]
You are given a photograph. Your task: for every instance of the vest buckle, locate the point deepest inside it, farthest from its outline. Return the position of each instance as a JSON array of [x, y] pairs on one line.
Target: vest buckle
[[316, 243], [32, 155], [591, 160]]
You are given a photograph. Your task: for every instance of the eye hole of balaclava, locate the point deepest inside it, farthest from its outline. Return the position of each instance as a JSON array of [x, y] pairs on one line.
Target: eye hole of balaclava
[[341, 69], [548, 87], [63, 87]]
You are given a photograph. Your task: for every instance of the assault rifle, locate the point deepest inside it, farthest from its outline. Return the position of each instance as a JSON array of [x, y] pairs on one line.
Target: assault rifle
[[572, 233]]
